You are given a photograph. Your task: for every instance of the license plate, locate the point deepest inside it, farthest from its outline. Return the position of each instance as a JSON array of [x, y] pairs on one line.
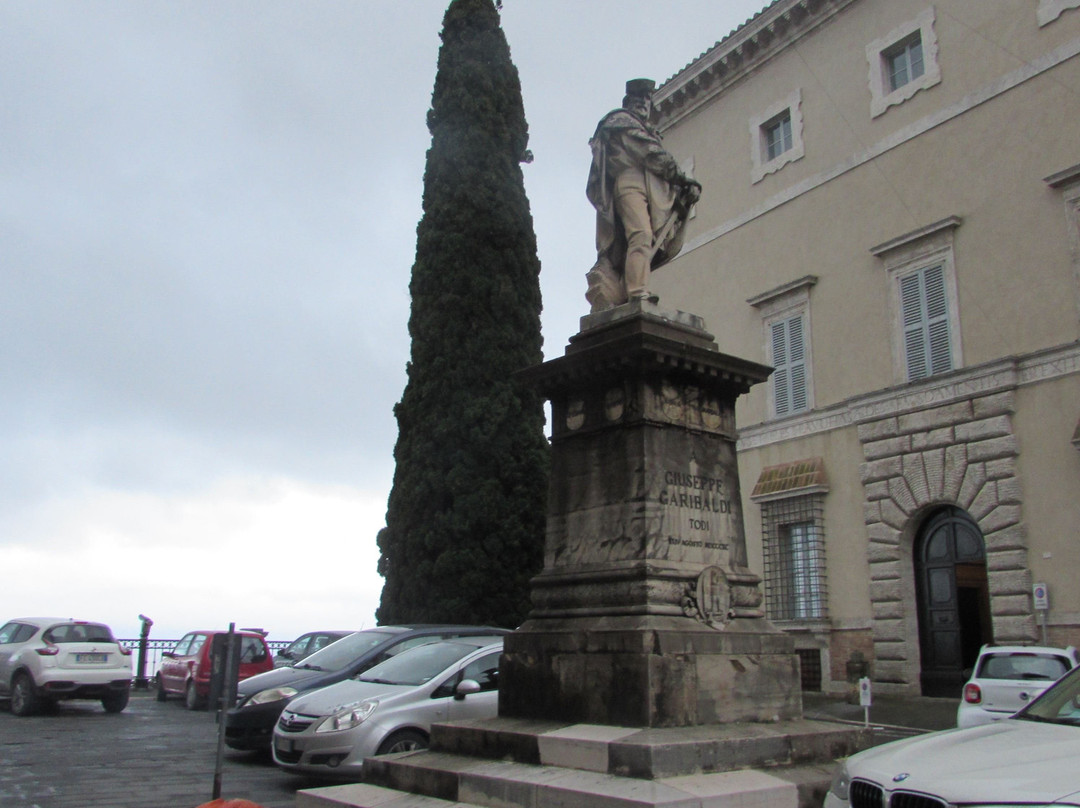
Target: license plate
[[91, 658], [284, 745]]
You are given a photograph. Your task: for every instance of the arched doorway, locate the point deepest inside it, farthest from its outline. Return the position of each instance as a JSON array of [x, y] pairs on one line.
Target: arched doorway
[[953, 599]]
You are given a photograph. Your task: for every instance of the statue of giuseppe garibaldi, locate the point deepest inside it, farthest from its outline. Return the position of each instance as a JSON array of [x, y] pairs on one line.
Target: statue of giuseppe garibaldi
[[642, 200]]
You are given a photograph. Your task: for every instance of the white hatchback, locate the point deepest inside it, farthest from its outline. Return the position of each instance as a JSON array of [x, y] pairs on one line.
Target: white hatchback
[[1007, 677], [390, 707], [47, 659]]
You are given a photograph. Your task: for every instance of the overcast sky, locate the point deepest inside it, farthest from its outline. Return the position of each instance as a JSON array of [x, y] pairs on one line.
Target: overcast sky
[[207, 227]]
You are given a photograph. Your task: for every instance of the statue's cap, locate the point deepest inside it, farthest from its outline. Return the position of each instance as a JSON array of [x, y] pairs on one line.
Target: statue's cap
[[640, 87]]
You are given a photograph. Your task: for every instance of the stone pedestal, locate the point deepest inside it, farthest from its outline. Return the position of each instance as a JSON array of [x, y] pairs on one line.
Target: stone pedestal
[[646, 673], [646, 614]]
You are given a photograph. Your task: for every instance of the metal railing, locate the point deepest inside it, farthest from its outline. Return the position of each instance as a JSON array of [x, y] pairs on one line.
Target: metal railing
[[153, 651]]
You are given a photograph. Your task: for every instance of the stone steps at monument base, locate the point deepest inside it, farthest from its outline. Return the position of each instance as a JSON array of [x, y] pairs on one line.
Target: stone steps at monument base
[[652, 754], [524, 763], [437, 780]]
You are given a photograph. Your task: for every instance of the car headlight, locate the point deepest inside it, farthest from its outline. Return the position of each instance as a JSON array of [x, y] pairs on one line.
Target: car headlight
[[270, 695], [349, 716], [841, 782]]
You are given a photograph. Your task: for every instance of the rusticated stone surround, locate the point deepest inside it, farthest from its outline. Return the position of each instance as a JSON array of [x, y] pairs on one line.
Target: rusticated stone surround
[[962, 453]]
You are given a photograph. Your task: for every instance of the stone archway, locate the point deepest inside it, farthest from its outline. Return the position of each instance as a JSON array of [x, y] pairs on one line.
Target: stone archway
[[960, 454]]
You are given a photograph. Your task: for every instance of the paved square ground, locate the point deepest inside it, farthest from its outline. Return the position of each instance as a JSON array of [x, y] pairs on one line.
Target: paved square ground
[[152, 755]]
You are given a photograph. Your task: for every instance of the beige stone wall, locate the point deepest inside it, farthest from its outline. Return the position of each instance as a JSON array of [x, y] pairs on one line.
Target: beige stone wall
[[993, 437], [843, 647], [1049, 471]]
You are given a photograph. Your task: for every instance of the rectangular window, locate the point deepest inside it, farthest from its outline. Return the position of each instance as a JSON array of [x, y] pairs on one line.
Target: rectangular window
[[778, 136], [789, 361], [925, 317], [905, 61], [794, 550]]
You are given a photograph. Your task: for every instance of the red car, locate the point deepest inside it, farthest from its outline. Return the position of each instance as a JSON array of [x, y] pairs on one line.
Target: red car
[[185, 670]]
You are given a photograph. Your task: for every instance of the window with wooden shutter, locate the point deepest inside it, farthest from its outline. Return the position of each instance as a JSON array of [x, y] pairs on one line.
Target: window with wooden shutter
[[789, 361], [925, 316]]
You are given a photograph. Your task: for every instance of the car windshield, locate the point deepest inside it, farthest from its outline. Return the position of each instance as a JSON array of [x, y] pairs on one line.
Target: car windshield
[[345, 651], [1022, 665], [78, 632], [417, 665], [1059, 704]]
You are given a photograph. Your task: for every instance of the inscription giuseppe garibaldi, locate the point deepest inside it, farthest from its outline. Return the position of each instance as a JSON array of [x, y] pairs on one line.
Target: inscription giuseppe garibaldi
[[683, 490]]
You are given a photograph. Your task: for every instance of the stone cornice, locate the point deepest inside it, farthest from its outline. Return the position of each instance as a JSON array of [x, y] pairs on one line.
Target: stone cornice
[[1065, 178], [641, 336], [772, 30], [803, 283], [991, 377], [950, 223]]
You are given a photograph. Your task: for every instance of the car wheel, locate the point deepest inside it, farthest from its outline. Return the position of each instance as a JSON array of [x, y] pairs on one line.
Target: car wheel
[[191, 698], [161, 694], [116, 702], [24, 701], [406, 740]]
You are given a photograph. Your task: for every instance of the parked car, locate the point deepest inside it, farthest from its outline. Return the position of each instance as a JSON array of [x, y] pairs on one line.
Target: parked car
[[260, 699], [47, 659], [305, 645], [389, 708], [1028, 759], [1006, 677], [185, 670]]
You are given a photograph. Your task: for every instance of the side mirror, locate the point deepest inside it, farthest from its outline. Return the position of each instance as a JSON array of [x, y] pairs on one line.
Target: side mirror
[[465, 687], [169, 655], [284, 654]]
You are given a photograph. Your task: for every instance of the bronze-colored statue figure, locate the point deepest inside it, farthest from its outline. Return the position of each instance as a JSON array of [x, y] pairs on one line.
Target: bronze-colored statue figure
[[642, 201]]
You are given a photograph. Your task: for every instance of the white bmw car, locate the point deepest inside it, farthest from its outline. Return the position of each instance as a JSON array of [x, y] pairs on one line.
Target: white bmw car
[[1031, 759]]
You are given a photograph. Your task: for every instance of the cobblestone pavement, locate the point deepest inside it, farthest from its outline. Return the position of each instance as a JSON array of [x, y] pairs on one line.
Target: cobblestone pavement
[[152, 755]]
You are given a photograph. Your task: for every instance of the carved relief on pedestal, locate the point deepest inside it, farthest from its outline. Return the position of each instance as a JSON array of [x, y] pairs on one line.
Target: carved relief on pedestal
[[614, 403], [575, 414], [690, 406], [709, 598]]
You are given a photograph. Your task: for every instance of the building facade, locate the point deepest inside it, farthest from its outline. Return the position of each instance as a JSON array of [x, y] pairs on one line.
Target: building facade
[[891, 219]]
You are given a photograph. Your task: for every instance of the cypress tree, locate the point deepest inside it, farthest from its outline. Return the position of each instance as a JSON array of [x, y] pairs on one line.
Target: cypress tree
[[465, 518]]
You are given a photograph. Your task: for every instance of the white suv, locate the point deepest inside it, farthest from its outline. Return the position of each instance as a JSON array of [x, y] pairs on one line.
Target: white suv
[[1006, 677], [46, 659]]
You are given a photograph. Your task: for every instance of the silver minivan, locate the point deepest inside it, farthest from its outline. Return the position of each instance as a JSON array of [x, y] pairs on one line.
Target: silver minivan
[[390, 707]]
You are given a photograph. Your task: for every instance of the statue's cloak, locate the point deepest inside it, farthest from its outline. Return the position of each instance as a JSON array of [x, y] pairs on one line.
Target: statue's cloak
[[622, 138]]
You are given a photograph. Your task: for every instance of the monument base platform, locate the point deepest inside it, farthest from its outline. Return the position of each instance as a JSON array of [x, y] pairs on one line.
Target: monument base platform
[[503, 762], [649, 671]]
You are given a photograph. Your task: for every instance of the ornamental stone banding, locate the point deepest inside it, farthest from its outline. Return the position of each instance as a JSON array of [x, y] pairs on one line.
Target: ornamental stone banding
[[962, 453]]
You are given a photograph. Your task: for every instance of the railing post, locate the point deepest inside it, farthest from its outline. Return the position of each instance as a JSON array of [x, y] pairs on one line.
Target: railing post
[[141, 682]]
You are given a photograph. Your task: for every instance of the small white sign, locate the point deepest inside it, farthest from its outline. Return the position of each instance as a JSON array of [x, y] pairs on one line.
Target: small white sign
[[1042, 597], [865, 696]]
